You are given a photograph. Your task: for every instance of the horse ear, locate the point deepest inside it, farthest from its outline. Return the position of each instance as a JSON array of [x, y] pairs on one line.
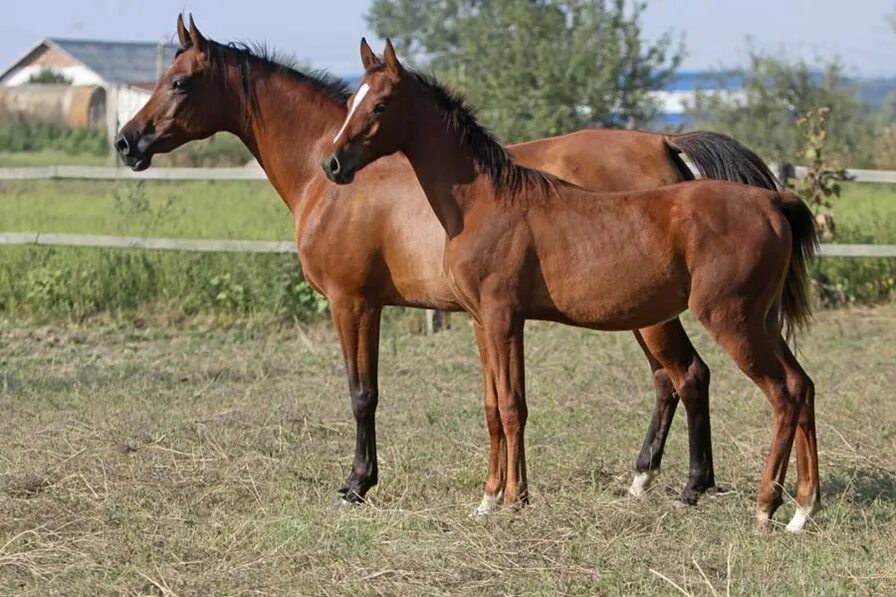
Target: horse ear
[[391, 60], [368, 58], [198, 40], [182, 35]]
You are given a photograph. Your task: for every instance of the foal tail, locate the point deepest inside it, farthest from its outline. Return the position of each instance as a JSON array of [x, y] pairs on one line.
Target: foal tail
[[720, 157], [796, 312]]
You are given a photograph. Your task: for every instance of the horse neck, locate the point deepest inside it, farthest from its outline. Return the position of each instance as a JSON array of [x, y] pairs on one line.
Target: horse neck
[[444, 165], [284, 129]]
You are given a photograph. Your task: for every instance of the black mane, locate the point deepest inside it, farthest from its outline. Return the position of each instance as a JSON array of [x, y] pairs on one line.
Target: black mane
[[251, 55], [489, 155]]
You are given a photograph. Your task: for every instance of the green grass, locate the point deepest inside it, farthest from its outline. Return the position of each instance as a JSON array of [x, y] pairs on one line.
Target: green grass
[[51, 157], [203, 461], [866, 213], [246, 210]]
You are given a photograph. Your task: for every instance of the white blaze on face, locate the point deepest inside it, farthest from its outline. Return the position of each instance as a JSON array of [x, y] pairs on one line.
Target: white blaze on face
[[356, 101]]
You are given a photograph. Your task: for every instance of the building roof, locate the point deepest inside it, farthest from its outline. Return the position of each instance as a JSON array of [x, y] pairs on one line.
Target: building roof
[[118, 62], [112, 61]]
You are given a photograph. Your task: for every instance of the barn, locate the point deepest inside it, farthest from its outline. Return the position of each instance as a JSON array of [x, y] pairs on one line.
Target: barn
[[107, 81]]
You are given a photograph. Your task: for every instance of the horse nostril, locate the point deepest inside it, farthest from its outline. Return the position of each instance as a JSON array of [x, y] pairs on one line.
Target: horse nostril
[[334, 165], [121, 144]]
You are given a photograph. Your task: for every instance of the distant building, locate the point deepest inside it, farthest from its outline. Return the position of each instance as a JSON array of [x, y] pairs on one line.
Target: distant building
[[126, 71]]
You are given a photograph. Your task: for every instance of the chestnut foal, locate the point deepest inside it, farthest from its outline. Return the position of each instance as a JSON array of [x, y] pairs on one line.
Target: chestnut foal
[[523, 244]]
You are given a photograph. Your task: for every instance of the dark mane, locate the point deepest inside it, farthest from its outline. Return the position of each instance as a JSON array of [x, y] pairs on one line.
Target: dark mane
[[255, 55], [489, 155]]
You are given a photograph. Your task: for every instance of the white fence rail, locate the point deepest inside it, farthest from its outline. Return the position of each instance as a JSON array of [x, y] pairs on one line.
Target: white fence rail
[[115, 173], [156, 244], [253, 246], [255, 172]]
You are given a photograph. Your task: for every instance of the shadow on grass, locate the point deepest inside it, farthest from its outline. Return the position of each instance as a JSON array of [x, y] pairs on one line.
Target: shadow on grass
[[862, 486]]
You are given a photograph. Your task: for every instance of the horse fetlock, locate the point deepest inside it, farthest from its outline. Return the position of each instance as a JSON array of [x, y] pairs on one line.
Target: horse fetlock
[[802, 515]]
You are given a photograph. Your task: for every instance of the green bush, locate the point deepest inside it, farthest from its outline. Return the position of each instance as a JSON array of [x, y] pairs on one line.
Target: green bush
[[47, 283], [22, 136]]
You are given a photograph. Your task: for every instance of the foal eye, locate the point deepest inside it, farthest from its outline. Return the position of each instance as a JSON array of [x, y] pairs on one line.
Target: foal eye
[[179, 84], [379, 108]]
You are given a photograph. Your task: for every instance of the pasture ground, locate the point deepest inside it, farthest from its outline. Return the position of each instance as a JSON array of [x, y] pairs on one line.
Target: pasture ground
[[196, 461]]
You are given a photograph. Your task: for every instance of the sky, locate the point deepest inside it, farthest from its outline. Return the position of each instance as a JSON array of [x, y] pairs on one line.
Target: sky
[[717, 33]]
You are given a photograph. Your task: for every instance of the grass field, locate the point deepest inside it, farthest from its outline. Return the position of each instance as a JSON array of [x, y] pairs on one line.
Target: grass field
[[188, 461], [51, 157]]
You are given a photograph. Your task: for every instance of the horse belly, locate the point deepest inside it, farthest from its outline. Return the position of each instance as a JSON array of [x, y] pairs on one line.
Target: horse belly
[[620, 297]]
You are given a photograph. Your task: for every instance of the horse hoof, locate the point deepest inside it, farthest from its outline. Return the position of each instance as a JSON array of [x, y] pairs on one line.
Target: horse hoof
[[489, 505], [762, 521], [801, 516], [642, 482], [340, 503]]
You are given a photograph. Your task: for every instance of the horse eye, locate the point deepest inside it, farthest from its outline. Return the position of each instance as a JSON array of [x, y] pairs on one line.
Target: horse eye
[[379, 108], [179, 84]]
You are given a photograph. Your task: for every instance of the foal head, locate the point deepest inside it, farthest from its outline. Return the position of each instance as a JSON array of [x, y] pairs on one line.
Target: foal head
[[185, 104], [377, 120]]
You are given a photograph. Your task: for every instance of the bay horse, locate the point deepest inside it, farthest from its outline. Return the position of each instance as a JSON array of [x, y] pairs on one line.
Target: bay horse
[[524, 244], [377, 242]]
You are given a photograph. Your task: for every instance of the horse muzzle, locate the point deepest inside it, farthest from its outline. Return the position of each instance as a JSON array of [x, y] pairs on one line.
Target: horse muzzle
[[340, 167], [132, 151]]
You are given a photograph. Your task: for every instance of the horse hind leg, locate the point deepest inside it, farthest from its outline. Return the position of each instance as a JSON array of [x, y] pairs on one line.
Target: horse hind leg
[[763, 357], [808, 494], [647, 465], [670, 347]]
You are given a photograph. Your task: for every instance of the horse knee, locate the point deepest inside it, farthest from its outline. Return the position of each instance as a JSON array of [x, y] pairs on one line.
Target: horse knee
[[513, 415], [364, 402]]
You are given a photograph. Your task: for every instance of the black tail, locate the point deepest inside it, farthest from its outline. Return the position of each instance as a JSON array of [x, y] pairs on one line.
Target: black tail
[[796, 310], [720, 157]]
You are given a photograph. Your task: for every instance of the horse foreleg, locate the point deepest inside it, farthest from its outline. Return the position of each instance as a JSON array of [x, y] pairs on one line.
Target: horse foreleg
[[497, 452], [503, 340], [357, 322]]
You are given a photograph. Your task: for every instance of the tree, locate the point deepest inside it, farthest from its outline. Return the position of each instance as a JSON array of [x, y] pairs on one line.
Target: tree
[[775, 94], [536, 67], [47, 75]]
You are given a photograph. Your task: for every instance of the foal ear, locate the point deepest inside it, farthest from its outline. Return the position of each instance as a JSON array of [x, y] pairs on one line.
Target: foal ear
[[392, 64], [198, 40], [182, 35], [368, 58]]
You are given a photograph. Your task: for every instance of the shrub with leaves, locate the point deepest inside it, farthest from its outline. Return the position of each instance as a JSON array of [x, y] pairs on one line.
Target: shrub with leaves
[[821, 184]]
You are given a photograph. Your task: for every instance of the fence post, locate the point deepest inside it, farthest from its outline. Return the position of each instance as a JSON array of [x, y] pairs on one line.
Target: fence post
[[435, 321]]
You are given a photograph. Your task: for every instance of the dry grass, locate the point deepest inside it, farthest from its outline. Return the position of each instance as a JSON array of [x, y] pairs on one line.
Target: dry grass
[[195, 462]]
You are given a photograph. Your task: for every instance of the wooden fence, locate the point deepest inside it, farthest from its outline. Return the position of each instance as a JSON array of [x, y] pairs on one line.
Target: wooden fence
[[249, 246], [254, 172]]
